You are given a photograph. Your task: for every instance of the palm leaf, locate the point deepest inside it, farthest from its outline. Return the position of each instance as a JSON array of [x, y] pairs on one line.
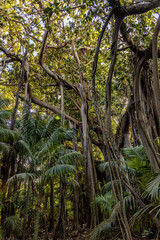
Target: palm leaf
[[13, 225], [52, 125], [73, 158], [4, 148], [27, 125], [103, 227], [21, 177], [22, 147], [5, 114], [4, 102], [153, 188], [105, 201], [7, 135], [56, 138], [60, 170], [72, 183], [140, 213]]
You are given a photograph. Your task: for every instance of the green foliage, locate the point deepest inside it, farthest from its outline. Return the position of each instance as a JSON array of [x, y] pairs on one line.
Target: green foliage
[[7, 135], [21, 177], [5, 148], [60, 170], [137, 160], [4, 114], [102, 228], [13, 226], [153, 188], [73, 158]]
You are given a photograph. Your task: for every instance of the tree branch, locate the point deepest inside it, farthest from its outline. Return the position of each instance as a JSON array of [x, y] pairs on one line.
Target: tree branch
[[132, 45], [110, 74], [155, 69], [55, 76], [50, 46], [50, 107], [140, 8], [13, 56]]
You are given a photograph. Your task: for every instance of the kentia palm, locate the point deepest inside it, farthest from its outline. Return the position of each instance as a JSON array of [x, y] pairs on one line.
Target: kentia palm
[[50, 150]]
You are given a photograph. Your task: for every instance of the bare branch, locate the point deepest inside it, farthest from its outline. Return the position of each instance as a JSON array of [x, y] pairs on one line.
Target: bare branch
[[13, 56], [50, 107], [23, 72], [97, 51], [129, 40], [110, 74], [140, 8], [74, 52], [55, 76], [50, 46]]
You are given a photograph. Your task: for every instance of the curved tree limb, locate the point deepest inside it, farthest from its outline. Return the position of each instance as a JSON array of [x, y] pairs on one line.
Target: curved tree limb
[[77, 59], [140, 8], [12, 56], [50, 107], [55, 76], [132, 45], [155, 70], [23, 72], [110, 74], [94, 68], [146, 141], [50, 46]]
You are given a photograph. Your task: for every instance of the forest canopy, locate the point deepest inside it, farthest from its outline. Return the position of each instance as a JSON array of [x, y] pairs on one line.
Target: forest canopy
[[79, 119]]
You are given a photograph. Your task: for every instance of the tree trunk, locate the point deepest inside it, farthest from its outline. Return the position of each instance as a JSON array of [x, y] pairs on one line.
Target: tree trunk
[[26, 210], [51, 226], [60, 230]]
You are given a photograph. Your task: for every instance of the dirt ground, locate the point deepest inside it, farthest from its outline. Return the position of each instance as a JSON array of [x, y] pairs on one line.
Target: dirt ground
[[83, 234]]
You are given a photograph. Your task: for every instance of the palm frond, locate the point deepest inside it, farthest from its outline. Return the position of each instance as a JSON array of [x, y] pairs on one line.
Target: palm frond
[[72, 158], [7, 135], [4, 148], [13, 225], [104, 167], [56, 138], [137, 151], [103, 227], [5, 114], [27, 125], [52, 125], [153, 188], [61, 134], [22, 147], [140, 213], [21, 177], [4, 102], [60, 170], [105, 201], [73, 184], [136, 157]]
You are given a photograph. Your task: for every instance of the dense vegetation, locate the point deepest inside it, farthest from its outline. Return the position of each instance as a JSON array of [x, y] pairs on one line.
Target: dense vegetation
[[79, 119]]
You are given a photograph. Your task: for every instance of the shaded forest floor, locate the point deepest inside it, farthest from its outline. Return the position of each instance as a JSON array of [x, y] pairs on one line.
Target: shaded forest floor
[[83, 234]]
